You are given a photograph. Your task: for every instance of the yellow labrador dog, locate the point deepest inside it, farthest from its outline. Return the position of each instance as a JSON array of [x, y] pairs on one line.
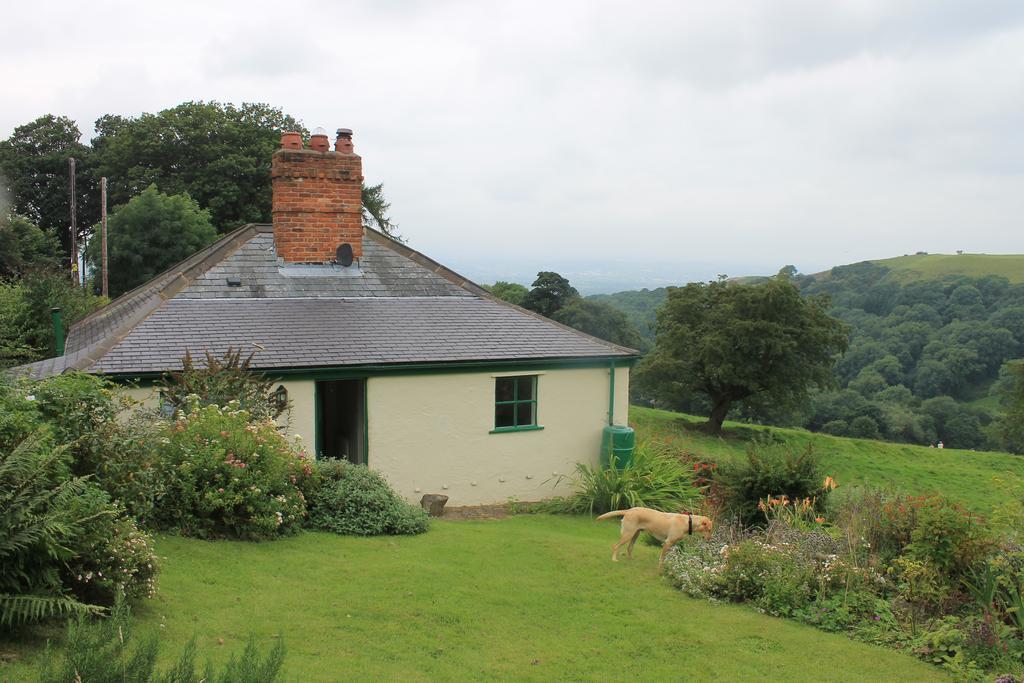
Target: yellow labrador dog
[[668, 527]]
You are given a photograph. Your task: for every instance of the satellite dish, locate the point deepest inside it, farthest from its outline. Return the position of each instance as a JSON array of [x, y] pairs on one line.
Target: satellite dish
[[344, 254]]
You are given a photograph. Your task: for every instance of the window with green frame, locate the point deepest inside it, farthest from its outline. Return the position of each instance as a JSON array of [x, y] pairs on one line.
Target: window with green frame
[[515, 403]]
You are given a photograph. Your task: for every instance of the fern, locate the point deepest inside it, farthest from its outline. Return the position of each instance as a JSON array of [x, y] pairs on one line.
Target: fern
[[21, 609], [38, 523]]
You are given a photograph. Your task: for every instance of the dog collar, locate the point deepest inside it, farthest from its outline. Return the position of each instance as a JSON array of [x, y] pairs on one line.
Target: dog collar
[[689, 524]]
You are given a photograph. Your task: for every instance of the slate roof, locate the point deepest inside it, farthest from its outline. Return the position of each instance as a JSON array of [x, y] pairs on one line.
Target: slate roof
[[396, 306]]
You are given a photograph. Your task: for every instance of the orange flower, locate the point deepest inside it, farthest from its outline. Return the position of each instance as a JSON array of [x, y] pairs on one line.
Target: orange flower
[[829, 484], [819, 520]]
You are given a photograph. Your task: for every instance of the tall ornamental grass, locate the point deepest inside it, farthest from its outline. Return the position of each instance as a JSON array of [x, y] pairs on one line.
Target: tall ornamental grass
[[657, 478]]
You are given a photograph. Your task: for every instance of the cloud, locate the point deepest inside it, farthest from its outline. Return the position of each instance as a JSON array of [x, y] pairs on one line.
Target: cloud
[[772, 132]]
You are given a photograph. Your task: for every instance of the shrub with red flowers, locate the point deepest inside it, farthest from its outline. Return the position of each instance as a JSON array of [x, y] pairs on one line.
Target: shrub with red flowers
[[228, 476]]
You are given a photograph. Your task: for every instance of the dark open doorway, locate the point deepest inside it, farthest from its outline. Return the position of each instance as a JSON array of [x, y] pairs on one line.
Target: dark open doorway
[[341, 420]]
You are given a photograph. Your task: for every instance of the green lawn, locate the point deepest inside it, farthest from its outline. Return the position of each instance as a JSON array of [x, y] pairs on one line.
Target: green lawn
[[967, 476], [527, 598]]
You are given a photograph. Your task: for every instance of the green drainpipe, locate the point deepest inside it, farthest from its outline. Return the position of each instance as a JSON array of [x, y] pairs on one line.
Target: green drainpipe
[[58, 330], [611, 393]]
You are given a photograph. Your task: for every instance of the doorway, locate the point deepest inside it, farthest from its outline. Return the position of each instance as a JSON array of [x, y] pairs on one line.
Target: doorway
[[341, 420]]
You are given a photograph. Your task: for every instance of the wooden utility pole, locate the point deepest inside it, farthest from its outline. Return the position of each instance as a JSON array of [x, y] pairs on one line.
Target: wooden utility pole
[[74, 224], [103, 233]]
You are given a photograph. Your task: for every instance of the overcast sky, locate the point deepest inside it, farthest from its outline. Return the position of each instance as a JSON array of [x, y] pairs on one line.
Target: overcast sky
[[698, 137]]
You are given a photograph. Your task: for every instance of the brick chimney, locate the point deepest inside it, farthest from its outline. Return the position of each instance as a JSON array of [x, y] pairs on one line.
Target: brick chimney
[[317, 198]]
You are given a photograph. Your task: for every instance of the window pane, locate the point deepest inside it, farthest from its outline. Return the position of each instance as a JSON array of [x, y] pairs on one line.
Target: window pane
[[526, 387], [504, 389], [526, 414], [504, 415]]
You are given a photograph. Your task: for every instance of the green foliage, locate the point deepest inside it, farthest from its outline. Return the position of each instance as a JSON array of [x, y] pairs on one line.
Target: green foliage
[[112, 555], [769, 470], [550, 293], [34, 162], [863, 427], [1009, 430], [226, 476], [600, 320], [150, 233], [26, 324], [41, 521], [657, 478], [217, 154], [352, 499], [512, 292], [640, 307], [24, 247], [109, 651], [219, 381], [734, 343], [107, 435], [375, 211], [949, 538], [62, 541], [19, 417]]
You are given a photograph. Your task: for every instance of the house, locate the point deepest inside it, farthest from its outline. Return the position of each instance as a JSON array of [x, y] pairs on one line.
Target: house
[[388, 358]]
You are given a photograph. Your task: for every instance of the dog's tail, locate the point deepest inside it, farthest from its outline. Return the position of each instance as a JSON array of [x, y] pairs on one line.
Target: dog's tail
[[613, 513]]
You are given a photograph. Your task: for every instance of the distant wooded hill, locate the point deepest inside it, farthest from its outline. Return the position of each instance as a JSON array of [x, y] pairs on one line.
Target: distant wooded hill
[[930, 333]]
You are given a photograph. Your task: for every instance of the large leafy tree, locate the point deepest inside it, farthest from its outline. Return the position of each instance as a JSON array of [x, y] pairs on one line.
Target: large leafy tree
[[152, 232], [217, 153], [550, 292], [734, 342], [600, 320], [26, 329], [23, 246], [34, 168], [1009, 430]]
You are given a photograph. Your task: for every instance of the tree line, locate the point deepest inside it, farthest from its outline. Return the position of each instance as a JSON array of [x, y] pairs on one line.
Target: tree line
[[928, 361]]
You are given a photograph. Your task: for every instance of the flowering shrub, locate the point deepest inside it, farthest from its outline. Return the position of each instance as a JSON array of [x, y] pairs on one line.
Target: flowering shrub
[[883, 567], [352, 499], [64, 547], [106, 435], [226, 476], [770, 470], [112, 555]]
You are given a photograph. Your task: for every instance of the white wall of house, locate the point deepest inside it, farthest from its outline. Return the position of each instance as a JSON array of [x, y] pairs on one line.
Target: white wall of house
[[432, 434], [301, 419], [148, 396]]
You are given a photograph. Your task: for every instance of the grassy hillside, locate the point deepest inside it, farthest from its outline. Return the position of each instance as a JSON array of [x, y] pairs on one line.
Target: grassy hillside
[[532, 598], [937, 266], [967, 476]]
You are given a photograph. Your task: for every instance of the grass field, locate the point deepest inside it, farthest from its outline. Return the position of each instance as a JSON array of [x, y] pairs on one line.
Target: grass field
[[930, 266], [526, 598], [967, 476]]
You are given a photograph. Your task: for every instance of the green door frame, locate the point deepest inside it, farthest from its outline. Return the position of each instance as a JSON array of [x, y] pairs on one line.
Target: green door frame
[[366, 417]]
